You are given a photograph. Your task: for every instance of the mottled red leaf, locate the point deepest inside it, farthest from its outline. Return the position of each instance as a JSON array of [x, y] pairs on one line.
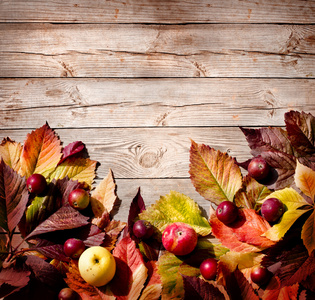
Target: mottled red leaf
[[50, 249], [245, 234], [13, 197], [153, 288]]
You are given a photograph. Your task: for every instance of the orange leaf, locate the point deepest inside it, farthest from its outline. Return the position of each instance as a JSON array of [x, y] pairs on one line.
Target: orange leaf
[[244, 235], [104, 197], [10, 152], [41, 152], [214, 174], [305, 180], [308, 233]]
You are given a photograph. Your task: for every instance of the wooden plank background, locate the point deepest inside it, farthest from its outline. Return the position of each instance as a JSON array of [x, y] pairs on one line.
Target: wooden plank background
[[136, 80]]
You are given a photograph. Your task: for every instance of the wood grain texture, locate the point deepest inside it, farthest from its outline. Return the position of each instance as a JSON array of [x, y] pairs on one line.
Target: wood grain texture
[[159, 11], [207, 50], [85, 103], [147, 152]]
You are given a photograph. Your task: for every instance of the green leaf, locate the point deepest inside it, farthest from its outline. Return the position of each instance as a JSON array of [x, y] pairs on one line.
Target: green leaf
[[176, 207], [292, 201], [214, 174]]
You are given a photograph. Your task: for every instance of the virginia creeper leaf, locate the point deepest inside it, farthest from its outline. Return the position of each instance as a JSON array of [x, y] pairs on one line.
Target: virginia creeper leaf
[[305, 180], [196, 288], [104, 197], [215, 175], [131, 272], [245, 234], [10, 152], [292, 201], [41, 152], [176, 207], [13, 197], [64, 218], [81, 169]]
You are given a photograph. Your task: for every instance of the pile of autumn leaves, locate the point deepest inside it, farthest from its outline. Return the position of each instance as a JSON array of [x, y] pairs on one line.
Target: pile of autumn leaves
[[144, 269]]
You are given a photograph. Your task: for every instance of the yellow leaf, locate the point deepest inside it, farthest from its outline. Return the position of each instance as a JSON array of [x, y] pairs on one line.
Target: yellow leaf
[[81, 169], [305, 180], [292, 201], [308, 233], [41, 152], [103, 198], [10, 152]]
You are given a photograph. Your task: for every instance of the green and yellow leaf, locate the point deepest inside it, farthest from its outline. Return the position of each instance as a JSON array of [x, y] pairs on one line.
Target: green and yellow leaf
[[292, 201], [176, 207]]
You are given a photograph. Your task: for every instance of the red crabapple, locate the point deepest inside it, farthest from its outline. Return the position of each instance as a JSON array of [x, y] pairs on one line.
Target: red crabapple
[[208, 268], [227, 212], [258, 168], [272, 209], [36, 184]]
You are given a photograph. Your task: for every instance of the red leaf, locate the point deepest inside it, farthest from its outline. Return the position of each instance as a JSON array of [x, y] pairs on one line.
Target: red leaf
[[72, 149], [196, 288], [64, 218], [131, 272], [13, 197], [12, 280], [244, 235]]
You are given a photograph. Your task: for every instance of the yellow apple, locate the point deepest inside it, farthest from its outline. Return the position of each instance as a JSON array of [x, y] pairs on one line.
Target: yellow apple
[[97, 266]]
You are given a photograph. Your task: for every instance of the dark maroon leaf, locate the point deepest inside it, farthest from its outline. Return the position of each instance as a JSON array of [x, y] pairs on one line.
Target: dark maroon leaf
[[13, 197], [12, 280], [64, 218], [92, 235], [137, 206], [50, 249], [76, 148], [196, 288], [44, 271], [273, 145], [301, 131]]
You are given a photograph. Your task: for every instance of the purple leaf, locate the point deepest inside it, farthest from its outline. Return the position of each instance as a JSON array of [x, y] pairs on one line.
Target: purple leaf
[[137, 206], [95, 236], [64, 218], [13, 197], [12, 280], [196, 288], [72, 149]]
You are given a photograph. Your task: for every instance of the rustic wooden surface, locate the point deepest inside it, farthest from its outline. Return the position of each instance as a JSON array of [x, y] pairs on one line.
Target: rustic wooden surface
[[136, 80]]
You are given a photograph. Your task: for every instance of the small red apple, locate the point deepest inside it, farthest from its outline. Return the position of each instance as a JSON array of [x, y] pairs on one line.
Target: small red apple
[[79, 199], [208, 268], [68, 294], [258, 168], [36, 184], [227, 212], [142, 229], [179, 238], [260, 275], [272, 209], [73, 248]]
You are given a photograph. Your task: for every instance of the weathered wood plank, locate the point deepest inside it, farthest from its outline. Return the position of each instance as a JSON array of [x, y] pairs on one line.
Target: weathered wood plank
[[221, 50], [82, 103], [147, 152], [164, 11]]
